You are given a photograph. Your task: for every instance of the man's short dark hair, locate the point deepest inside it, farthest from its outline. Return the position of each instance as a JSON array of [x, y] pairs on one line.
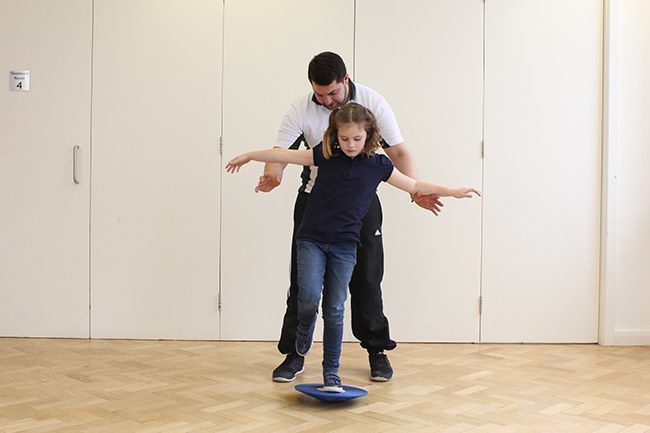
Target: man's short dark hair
[[326, 67]]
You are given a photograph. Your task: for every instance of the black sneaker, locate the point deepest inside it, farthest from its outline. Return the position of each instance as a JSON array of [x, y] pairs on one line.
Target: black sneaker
[[380, 369], [332, 383], [305, 338], [292, 366]]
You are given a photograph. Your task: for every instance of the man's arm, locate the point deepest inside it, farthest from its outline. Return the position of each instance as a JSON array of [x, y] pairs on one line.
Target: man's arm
[[405, 163], [271, 178], [289, 136], [403, 159]]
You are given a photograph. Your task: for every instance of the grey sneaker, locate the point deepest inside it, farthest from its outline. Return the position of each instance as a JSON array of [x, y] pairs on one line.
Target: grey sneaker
[[332, 383], [380, 369], [291, 367], [304, 338]]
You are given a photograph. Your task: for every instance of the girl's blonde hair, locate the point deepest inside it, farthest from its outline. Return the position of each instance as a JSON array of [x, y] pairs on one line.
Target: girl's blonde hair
[[351, 113]]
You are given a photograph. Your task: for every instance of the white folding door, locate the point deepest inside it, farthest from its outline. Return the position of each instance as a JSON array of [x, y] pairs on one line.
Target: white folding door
[[44, 168], [267, 48], [543, 63], [427, 61], [156, 169]]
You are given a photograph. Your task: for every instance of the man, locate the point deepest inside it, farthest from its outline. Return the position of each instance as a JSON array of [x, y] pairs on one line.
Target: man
[[305, 122]]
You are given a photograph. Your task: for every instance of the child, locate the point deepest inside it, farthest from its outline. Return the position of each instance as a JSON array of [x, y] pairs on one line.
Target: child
[[349, 172]]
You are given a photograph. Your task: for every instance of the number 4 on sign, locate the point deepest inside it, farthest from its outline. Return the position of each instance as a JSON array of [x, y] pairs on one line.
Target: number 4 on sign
[[19, 81]]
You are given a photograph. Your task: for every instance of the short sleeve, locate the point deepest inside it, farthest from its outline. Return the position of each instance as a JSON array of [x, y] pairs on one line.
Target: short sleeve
[[387, 167], [318, 155]]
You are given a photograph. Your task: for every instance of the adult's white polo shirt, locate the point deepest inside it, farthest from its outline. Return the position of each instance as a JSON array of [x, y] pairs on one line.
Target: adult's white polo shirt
[[306, 122]]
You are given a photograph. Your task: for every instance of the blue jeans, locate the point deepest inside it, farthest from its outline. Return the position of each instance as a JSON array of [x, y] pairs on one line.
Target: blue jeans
[[325, 268], [369, 324]]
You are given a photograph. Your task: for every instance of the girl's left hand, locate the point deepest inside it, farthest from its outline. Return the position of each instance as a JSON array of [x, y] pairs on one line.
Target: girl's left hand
[[466, 193]]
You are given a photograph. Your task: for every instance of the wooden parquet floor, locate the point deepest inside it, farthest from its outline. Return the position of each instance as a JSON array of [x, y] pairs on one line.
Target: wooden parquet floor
[[101, 386]]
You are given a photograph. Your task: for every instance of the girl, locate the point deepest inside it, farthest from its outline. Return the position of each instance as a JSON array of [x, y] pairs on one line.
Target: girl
[[349, 171]]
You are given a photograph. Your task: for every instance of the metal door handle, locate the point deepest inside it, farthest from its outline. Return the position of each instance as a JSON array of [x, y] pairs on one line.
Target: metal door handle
[[75, 154]]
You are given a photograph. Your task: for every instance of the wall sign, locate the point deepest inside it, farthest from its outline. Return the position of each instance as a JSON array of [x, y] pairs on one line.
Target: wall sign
[[19, 81]]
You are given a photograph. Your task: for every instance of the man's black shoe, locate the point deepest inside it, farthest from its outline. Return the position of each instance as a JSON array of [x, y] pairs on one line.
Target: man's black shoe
[[380, 369], [292, 366]]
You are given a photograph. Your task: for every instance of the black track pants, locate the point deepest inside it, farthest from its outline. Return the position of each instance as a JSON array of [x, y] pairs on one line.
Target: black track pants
[[369, 325]]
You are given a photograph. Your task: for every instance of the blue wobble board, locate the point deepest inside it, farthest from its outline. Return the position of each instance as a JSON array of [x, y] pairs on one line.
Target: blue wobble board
[[314, 390]]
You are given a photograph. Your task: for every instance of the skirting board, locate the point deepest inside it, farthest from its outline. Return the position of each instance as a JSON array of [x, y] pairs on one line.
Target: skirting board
[[628, 336]]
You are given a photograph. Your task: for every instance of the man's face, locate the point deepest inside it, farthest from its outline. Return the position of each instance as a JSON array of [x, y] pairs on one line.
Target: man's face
[[332, 96]]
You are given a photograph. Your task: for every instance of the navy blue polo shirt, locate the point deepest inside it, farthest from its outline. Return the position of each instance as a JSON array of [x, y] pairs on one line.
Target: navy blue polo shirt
[[342, 195]]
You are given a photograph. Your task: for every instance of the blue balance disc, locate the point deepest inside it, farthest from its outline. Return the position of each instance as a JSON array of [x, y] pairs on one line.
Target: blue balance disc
[[314, 390]]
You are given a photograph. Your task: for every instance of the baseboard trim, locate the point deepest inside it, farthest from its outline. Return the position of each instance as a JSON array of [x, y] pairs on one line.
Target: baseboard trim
[[628, 336]]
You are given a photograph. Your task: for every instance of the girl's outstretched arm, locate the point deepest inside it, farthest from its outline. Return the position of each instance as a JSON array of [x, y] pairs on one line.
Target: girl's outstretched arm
[[277, 154], [405, 183]]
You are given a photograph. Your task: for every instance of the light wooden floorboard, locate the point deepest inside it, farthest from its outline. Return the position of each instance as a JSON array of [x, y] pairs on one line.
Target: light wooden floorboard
[[101, 386]]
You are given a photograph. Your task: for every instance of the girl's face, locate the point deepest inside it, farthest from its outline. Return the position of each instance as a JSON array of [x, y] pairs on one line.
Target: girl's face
[[352, 139]]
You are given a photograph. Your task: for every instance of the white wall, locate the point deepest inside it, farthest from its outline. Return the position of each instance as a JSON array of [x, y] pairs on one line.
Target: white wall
[[625, 253], [625, 282]]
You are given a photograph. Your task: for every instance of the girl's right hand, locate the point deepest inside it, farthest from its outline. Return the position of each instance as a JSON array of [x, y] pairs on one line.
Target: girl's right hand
[[235, 163]]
